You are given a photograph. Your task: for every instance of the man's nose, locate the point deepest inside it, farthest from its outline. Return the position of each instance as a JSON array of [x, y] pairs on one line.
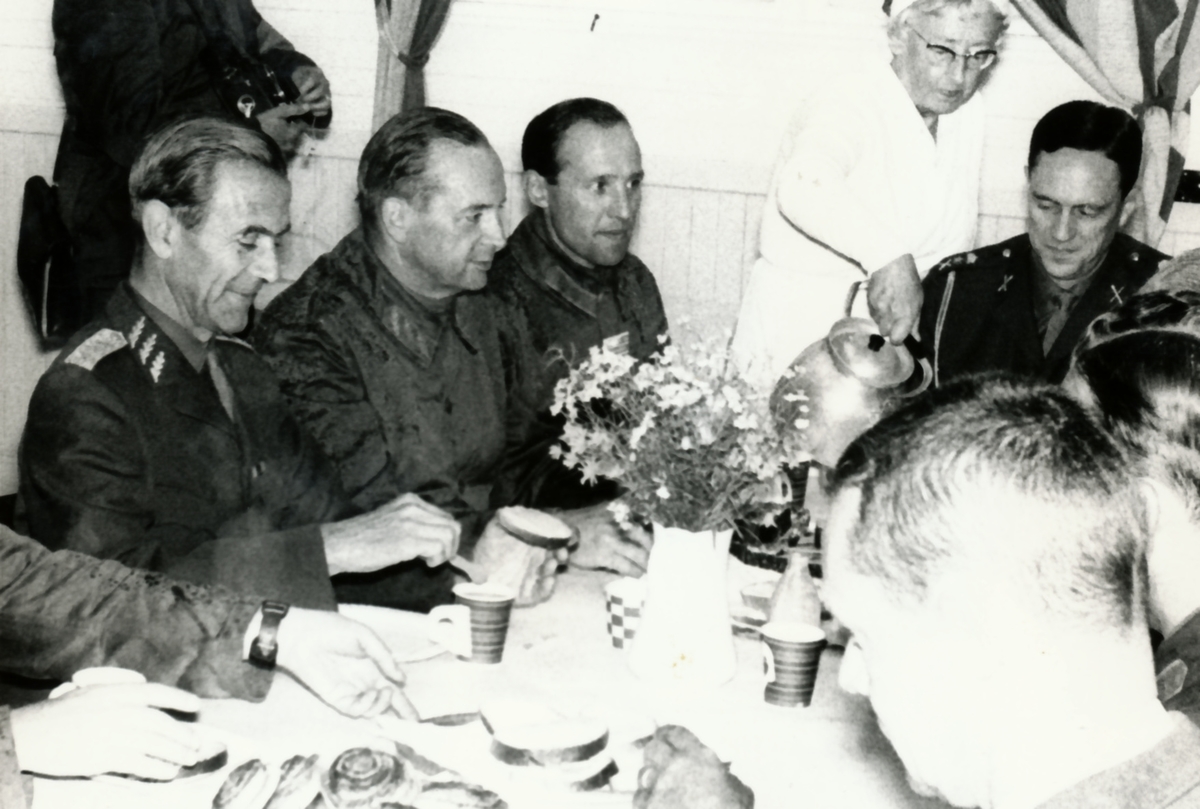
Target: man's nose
[[266, 261], [852, 676], [493, 230], [1064, 226], [621, 206]]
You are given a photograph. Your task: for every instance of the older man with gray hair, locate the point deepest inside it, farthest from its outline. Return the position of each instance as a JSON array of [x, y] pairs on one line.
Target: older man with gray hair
[[878, 179]]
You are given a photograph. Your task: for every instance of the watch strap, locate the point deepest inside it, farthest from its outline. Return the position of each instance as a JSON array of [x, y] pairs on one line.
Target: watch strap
[[265, 646]]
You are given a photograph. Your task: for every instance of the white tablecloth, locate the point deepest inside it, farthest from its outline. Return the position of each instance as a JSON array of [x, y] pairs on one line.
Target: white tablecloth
[[828, 755]]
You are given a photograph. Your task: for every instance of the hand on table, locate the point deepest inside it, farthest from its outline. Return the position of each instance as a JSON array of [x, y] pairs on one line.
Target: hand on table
[[406, 528], [343, 662], [603, 544], [507, 560], [894, 297], [680, 772], [108, 729]]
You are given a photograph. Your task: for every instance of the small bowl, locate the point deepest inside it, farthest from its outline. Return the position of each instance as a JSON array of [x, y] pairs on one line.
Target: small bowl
[[758, 595]]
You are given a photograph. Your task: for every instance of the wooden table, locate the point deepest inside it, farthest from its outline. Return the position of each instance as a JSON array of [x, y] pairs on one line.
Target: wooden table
[[828, 755]]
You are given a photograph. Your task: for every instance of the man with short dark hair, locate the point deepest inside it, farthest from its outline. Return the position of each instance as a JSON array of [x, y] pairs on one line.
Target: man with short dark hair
[[568, 263], [1022, 304], [409, 381], [996, 599], [160, 440], [567, 266]]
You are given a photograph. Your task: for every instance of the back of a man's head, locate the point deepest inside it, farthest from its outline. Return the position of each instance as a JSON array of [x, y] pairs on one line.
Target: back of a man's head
[[1091, 127], [544, 134], [1002, 479], [395, 160], [178, 164]]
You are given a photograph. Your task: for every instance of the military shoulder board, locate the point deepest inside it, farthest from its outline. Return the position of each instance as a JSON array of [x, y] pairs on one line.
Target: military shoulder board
[[96, 348]]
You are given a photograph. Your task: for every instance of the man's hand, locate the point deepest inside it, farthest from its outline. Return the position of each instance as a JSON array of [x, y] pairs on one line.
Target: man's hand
[[528, 570], [342, 662], [108, 729], [894, 297], [406, 528], [314, 89], [680, 772], [286, 134], [605, 545]]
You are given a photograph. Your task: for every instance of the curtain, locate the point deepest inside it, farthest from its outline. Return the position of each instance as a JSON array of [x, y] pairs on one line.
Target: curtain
[[1143, 56], [407, 31]]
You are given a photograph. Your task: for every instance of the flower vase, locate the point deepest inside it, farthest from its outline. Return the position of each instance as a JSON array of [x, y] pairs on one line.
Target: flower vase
[[685, 635]]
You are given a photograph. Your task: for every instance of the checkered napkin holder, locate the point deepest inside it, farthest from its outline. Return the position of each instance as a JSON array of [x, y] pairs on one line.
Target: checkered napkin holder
[[624, 598]]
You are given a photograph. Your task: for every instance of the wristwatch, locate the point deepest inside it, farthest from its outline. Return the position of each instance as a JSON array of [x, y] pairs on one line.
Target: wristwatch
[[265, 646]]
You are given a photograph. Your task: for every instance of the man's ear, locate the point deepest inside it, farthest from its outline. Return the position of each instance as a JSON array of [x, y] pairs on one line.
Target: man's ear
[[1153, 493], [160, 227], [395, 218], [537, 190]]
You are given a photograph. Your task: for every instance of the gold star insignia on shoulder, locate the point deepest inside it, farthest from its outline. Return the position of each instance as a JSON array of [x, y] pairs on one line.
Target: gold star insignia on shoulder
[[972, 258], [1135, 256], [1006, 252]]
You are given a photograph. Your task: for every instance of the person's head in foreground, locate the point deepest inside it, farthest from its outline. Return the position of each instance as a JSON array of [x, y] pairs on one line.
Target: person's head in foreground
[[431, 192], [583, 170], [942, 49], [1158, 309], [212, 198], [1144, 387], [1084, 160], [984, 549]]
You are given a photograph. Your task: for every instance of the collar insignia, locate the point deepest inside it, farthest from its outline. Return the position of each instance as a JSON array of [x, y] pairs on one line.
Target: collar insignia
[[1171, 679], [1004, 284]]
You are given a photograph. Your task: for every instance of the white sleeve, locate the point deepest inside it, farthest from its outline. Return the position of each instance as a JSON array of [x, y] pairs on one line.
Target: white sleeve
[[813, 193]]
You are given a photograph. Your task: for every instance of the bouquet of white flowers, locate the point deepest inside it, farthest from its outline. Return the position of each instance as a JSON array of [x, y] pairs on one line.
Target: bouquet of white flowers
[[693, 445]]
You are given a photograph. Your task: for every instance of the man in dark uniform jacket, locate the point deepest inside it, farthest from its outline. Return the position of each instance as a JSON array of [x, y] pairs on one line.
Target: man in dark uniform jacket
[[409, 379], [567, 266], [568, 263], [158, 440], [1022, 304]]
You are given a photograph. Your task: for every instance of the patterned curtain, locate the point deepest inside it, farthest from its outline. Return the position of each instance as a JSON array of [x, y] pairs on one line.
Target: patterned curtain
[[408, 30], [1143, 56]]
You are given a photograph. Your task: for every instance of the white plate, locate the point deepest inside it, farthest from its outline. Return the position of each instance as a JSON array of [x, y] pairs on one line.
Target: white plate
[[405, 633]]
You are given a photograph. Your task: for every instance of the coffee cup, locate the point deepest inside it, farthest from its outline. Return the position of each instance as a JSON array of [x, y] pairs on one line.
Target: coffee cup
[[475, 627], [791, 656]]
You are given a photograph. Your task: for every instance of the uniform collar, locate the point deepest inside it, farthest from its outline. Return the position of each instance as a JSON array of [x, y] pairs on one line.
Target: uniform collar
[[544, 262], [418, 322], [193, 350]]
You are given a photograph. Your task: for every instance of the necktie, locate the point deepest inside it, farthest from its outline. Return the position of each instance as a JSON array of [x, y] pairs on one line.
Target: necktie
[[221, 383]]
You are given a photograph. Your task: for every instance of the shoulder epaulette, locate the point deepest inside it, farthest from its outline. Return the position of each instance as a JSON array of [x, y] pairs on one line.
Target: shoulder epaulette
[[96, 348]]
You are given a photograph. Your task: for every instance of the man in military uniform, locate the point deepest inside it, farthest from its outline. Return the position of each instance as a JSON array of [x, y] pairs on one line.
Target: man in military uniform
[[1022, 304], [568, 263], [408, 380], [158, 440], [568, 267]]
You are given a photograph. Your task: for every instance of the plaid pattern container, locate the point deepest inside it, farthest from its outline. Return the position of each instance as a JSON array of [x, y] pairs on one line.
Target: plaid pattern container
[[624, 599]]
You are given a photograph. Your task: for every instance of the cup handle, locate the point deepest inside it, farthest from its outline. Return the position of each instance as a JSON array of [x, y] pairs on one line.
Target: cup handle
[[768, 662], [450, 628]]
